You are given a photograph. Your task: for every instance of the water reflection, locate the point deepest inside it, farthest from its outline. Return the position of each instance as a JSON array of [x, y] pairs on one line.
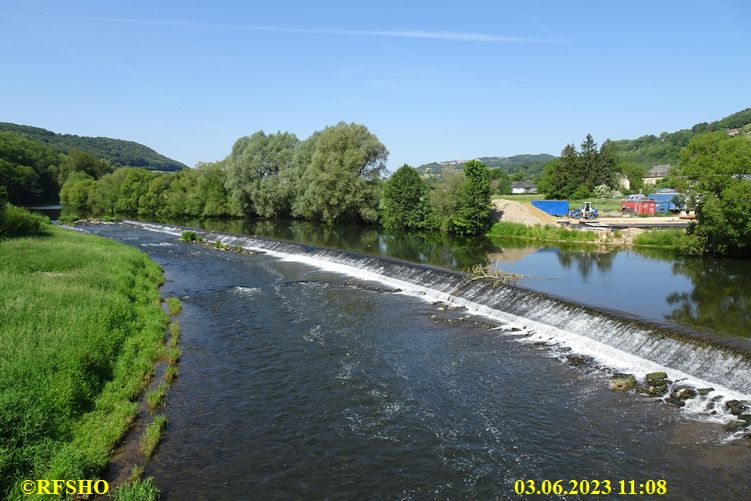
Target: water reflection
[[720, 299]]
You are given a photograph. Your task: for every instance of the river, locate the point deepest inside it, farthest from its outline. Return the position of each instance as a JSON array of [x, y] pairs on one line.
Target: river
[[325, 374]]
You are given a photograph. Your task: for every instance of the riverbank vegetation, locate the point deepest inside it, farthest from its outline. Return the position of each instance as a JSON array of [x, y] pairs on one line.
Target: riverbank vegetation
[[540, 233], [82, 327]]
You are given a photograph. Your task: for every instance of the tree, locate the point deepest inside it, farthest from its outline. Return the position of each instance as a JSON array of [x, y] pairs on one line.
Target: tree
[[473, 214], [256, 173], [342, 181], [715, 171], [80, 161], [444, 198], [75, 192], [405, 204], [499, 182], [27, 169]]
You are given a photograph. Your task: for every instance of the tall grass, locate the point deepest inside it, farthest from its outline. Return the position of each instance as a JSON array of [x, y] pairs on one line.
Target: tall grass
[[672, 238], [540, 233], [174, 306], [138, 490], [152, 435], [81, 328]]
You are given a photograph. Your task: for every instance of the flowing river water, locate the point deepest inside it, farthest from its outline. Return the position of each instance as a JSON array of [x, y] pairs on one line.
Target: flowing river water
[[315, 373]]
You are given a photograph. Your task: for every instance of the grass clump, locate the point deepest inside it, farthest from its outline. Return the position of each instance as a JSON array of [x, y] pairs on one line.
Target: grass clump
[[174, 306], [174, 333], [189, 236], [540, 233], [157, 396], [152, 435], [671, 238], [171, 373], [81, 327], [137, 490], [173, 355]]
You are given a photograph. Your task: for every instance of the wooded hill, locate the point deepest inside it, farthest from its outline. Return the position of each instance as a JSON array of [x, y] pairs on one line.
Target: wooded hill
[[646, 151], [117, 151], [530, 165]]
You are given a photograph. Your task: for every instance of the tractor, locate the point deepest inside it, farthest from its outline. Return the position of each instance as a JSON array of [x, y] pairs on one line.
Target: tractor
[[586, 211]]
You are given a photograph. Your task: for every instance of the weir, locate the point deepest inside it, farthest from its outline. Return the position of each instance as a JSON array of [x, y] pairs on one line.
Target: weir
[[615, 341]]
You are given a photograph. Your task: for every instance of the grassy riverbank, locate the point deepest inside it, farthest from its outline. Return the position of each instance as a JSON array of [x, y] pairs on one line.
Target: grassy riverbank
[[81, 328], [674, 239], [540, 233]]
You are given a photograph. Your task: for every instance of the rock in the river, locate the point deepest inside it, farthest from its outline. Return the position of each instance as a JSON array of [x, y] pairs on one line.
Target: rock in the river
[[705, 391], [745, 417], [655, 390], [736, 424], [675, 401], [579, 360], [622, 382], [735, 407], [655, 377], [683, 392]]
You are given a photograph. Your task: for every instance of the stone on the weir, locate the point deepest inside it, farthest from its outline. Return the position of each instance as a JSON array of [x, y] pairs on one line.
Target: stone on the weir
[[622, 382]]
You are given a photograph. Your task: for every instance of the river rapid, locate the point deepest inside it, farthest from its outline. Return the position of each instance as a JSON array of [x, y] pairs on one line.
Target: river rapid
[[301, 378]]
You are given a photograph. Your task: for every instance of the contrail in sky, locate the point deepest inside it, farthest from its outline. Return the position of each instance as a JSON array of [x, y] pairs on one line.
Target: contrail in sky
[[453, 36]]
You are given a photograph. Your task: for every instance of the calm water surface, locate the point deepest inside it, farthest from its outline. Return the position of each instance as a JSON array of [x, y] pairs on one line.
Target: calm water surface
[[298, 383]]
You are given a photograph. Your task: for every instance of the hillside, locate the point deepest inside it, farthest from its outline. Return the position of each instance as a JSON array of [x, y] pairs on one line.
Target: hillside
[[646, 151], [117, 151], [650, 150], [529, 165]]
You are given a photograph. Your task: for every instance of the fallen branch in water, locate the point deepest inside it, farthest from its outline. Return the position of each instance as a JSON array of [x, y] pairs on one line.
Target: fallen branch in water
[[494, 274]]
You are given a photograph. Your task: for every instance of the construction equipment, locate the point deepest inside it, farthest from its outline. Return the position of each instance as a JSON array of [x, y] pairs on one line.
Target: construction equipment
[[586, 211]]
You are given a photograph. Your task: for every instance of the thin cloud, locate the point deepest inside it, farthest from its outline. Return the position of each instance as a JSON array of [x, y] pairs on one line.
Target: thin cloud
[[451, 36]]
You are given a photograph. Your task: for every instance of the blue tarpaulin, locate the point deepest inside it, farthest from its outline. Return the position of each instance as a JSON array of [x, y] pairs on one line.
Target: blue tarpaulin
[[553, 207]]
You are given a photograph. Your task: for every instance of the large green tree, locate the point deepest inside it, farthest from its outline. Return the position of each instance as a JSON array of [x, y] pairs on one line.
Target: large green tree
[[342, 181], [473, 211], [405, 204], [715, 171], [27, 169], [257, 173]]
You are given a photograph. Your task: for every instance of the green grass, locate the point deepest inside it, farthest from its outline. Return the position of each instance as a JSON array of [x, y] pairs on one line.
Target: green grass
[[173, 355], [540, 233], [189, 236], [81, 328], [138, 490], [152, 435], [174, 306], [521, 198], [669, 238], [171, 373], [174, 333], [157, 396]]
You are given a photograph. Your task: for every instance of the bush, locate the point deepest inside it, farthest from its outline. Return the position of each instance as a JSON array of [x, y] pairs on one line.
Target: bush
[[189, 236], [17, 221]]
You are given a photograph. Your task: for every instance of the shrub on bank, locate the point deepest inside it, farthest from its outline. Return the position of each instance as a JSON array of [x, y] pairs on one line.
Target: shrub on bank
[[17, 221]]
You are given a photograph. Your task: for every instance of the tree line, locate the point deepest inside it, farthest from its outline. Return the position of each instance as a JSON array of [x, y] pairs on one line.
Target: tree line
[[335, 175]]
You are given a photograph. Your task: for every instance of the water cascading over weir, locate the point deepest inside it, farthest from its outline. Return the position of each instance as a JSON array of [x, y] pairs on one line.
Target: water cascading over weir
[[613, 340]]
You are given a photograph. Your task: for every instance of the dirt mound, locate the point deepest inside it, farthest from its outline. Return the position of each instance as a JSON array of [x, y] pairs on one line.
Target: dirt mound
[[514, 212]]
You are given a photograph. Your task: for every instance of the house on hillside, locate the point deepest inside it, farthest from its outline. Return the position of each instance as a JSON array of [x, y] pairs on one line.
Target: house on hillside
[[518, 187], [623, 182], [655, 174]]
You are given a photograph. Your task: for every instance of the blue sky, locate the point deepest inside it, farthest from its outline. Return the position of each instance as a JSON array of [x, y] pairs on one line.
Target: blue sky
[[433, 80]]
